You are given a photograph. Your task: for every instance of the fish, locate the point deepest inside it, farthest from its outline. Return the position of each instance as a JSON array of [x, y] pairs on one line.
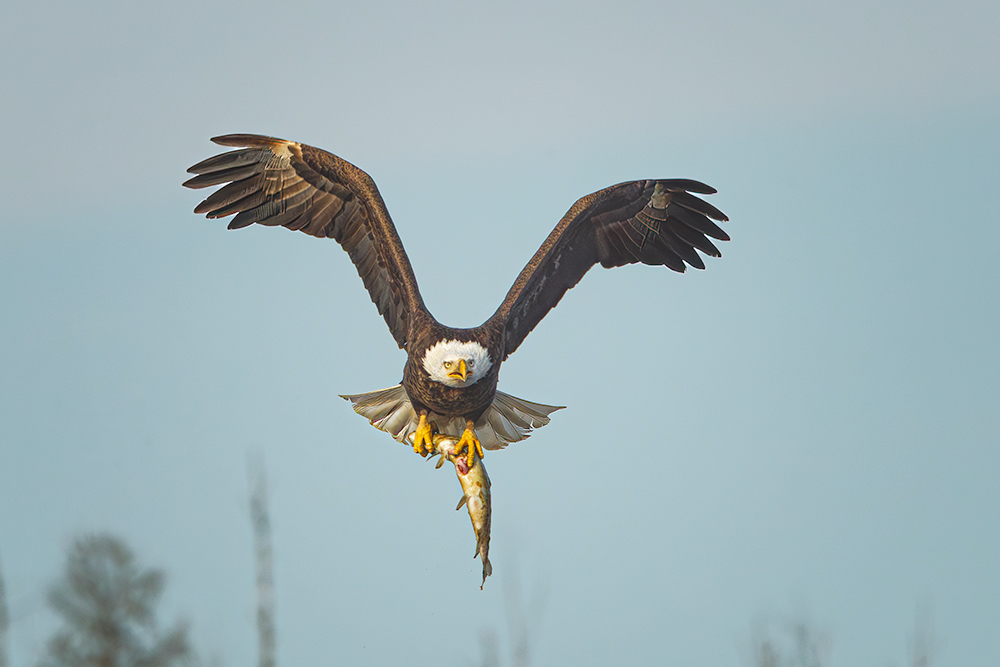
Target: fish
[[475, 495]]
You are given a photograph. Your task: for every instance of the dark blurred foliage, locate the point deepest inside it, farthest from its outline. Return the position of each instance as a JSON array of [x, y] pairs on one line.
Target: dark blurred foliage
[[107, 603]]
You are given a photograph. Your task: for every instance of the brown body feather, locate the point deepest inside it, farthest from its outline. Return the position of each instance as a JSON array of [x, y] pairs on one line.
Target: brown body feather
[[427, 394]]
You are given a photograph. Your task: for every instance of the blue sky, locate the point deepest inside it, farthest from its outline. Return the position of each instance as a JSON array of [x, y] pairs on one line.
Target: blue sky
[[807, 428]]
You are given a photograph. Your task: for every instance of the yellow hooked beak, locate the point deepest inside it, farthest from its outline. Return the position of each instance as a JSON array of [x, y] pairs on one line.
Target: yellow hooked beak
[[460, 373]]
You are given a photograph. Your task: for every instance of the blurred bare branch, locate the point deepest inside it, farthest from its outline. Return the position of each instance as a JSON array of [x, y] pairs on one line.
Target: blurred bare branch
[[523, 621], [107, 604], [4, 622], [259, 517], [922, 642], [767, 655], [491, 648], [800, 644]]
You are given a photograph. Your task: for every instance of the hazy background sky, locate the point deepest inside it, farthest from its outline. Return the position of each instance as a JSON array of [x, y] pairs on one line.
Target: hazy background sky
[[809, 428]]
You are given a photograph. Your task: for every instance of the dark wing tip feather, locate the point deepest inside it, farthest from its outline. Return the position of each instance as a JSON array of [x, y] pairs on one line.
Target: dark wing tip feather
[[687, 251], [696, 239], [658, 222], [689, 201], [271, 181], [695, 220], [690, 185], [237, 223], [227, 160], [223, 175]]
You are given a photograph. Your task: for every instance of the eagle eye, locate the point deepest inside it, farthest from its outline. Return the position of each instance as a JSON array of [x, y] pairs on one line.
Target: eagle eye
[[449, 364]]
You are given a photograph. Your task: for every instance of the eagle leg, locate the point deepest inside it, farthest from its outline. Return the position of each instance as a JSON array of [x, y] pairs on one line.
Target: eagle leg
[[470, 443], [423, 437]]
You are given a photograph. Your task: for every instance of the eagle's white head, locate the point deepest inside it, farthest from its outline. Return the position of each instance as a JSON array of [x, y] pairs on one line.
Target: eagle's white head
[[457, 364]]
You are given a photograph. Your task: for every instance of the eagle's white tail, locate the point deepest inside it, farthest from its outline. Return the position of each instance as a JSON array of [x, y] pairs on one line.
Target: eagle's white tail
[[508, 420]]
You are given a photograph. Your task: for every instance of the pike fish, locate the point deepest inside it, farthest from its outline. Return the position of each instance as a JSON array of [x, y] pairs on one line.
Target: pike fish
[[475, 495]]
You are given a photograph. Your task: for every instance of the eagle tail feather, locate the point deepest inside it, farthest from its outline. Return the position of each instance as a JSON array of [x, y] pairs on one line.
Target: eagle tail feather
[[509, 419]]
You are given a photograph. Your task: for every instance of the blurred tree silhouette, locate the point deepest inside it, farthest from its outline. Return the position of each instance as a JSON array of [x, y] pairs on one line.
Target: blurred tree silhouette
[[107, 604]]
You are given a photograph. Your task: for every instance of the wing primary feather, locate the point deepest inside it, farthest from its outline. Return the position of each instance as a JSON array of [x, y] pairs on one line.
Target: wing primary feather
[[237, 158], [240, 223], [240, 190], [248, 217], [658, 253], [675, 184], [282, 216], [252, 200], [697, 221], [247, 140], [222, 176], [677, 244], [688, 200], [696, 239]]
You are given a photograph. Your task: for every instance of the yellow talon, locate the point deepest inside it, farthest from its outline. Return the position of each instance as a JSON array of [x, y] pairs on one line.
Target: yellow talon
[[423, 437], [470, 443]]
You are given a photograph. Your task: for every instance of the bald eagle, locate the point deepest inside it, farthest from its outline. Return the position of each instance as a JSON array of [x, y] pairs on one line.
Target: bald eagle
[[449, 384]]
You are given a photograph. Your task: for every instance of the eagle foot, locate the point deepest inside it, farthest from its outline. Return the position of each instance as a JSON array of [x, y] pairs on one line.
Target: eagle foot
[[423, 437], [470, 443]]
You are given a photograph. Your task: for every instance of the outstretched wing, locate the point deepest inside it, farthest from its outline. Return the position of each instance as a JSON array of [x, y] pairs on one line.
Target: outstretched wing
[[277, 182], [653, 222]]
